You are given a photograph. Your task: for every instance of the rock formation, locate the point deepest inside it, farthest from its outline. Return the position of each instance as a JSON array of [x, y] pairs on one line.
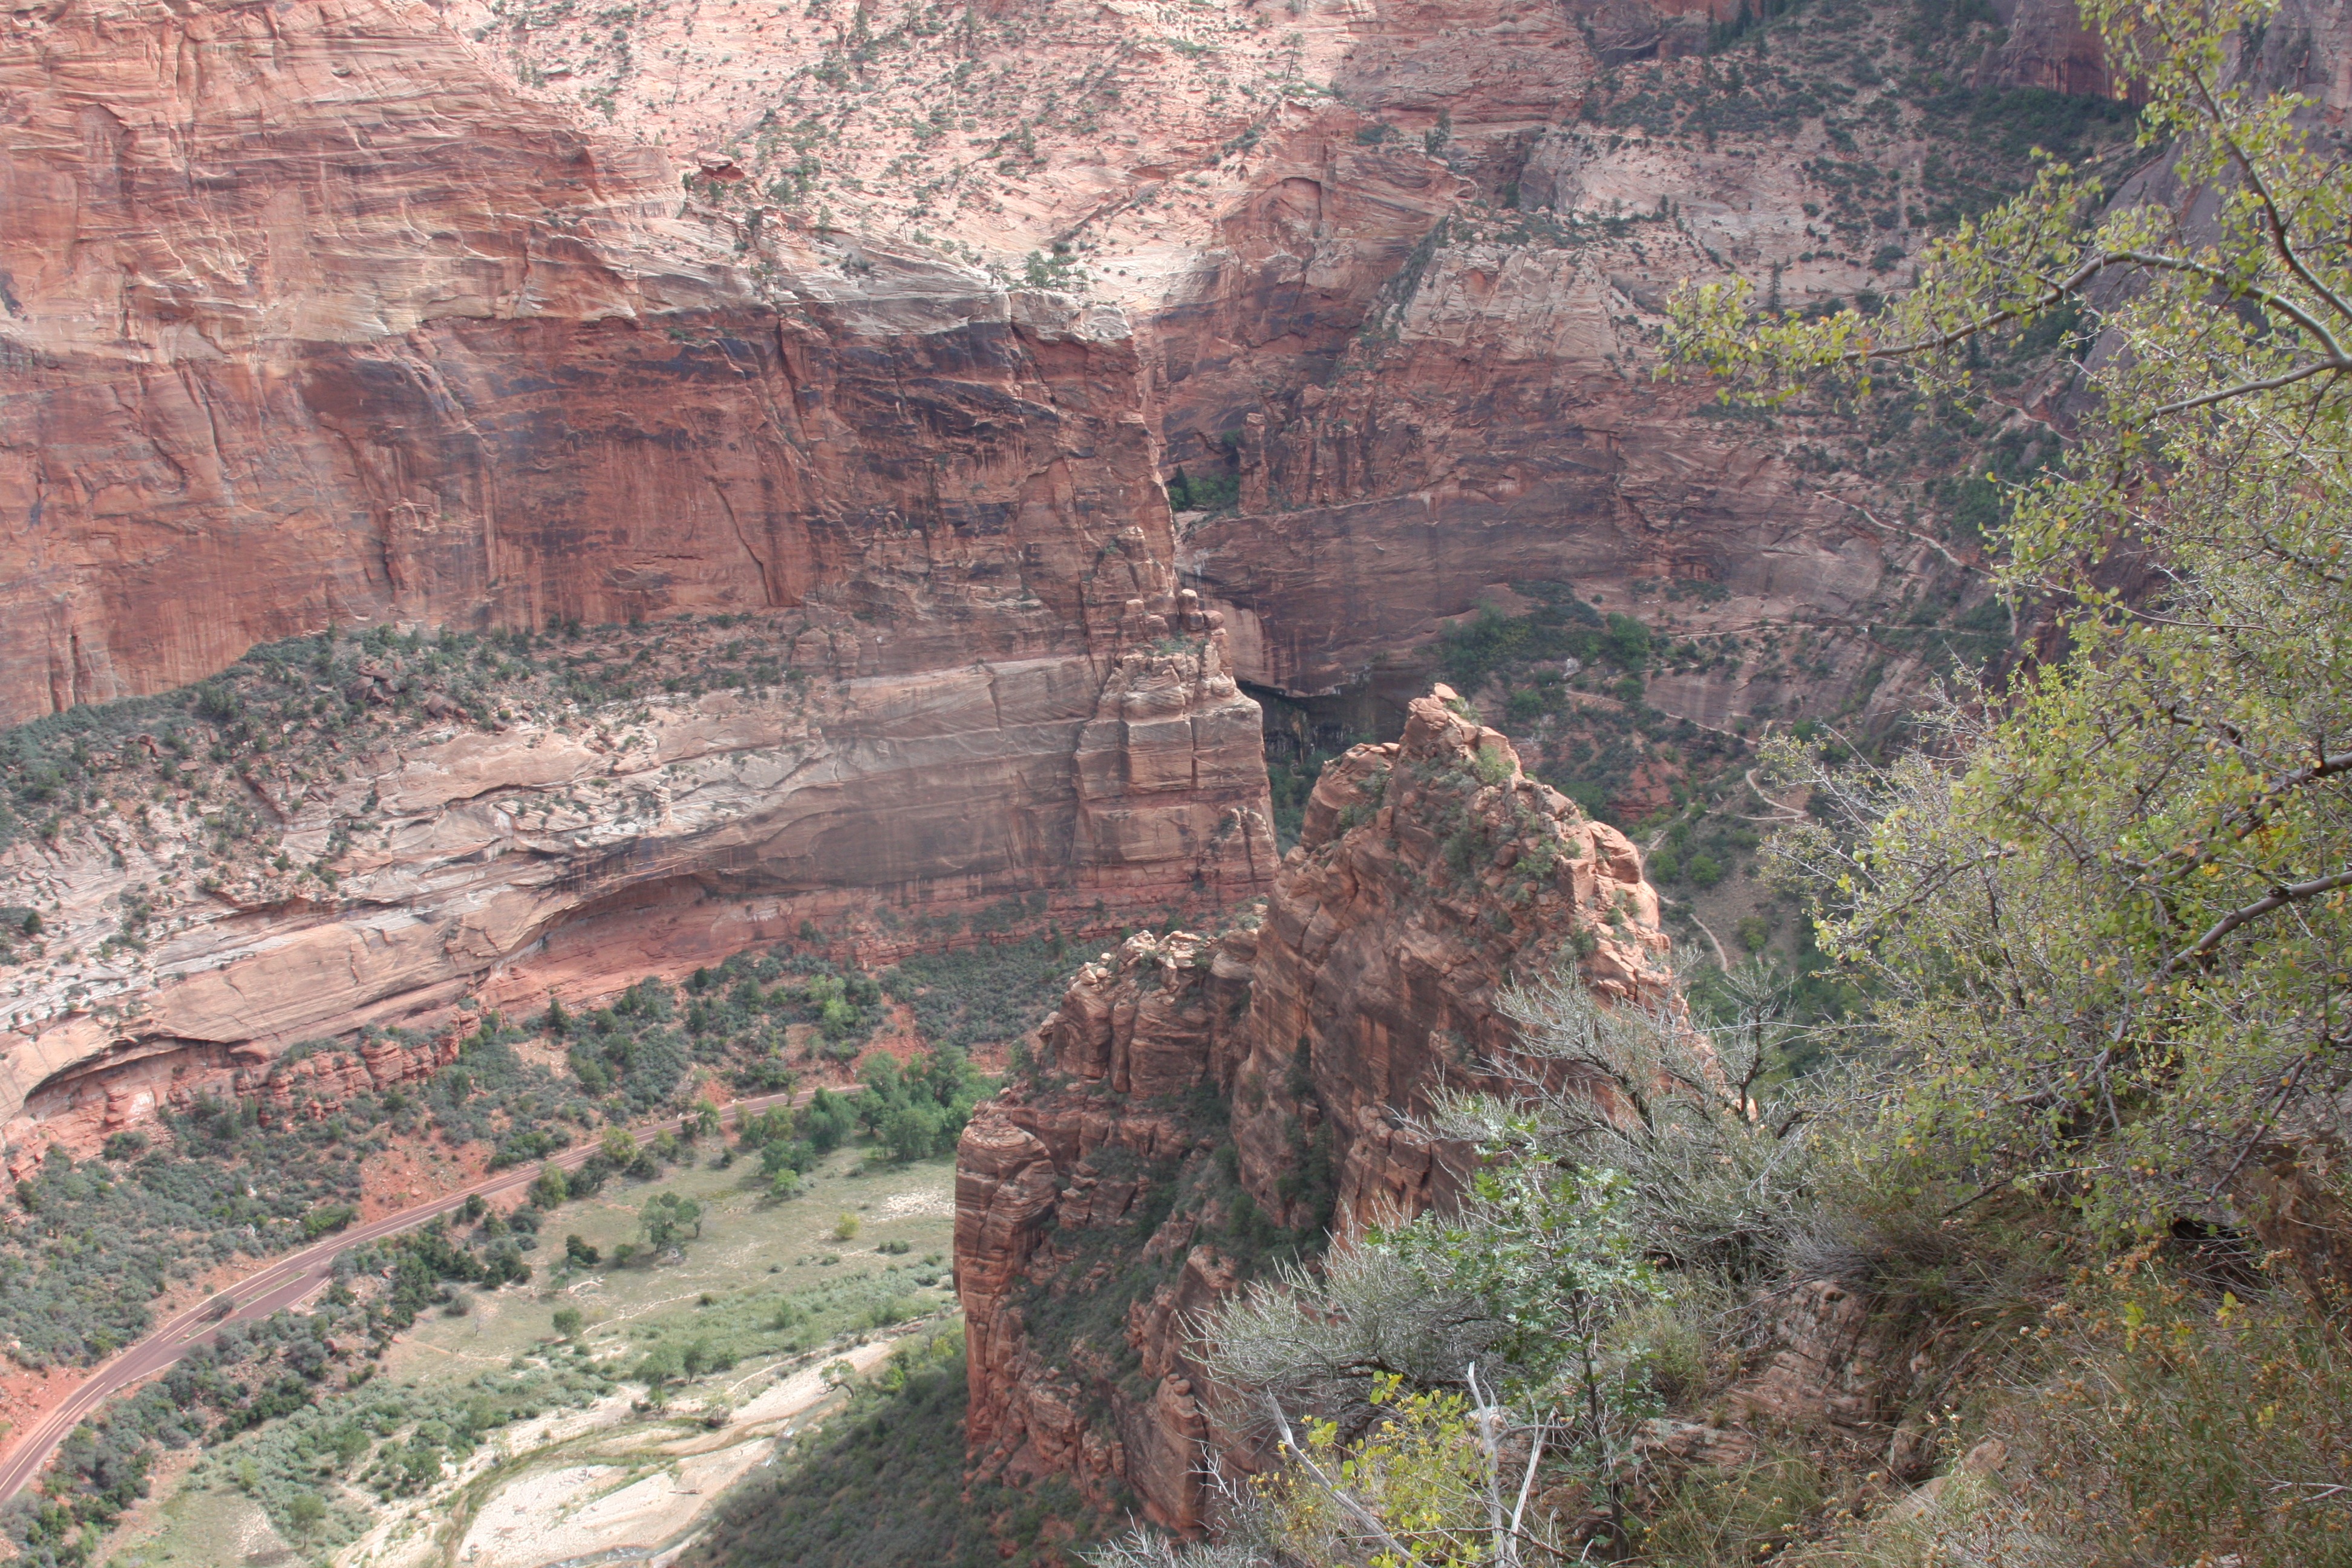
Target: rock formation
[[374, 312], [82, 1112], [579, 852], [1201, 1102], [378, 312]]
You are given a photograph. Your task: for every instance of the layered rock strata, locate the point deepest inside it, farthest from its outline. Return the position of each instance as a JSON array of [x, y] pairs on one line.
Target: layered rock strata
[[82, 1113], [373, 312], [581, 852], [1199, 1100], [312, 319], [1410, 318]]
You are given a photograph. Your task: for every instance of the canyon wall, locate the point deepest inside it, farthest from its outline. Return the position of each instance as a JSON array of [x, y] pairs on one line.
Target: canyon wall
[[373, 312], [376, 313], [1396, 272], [1470, 398], [496, 864], [312, 322], [1201, 1105], [1423, 342]]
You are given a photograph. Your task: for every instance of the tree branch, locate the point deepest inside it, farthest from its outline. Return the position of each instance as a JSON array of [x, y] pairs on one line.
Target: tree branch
[[2281, 895], [2336, 358], [2260, 187]]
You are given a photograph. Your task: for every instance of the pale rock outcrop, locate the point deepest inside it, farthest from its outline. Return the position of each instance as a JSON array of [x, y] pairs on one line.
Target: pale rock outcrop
[[502, 865]]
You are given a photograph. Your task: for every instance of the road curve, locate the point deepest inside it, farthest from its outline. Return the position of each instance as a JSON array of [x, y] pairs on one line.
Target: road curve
[[279, 1282]]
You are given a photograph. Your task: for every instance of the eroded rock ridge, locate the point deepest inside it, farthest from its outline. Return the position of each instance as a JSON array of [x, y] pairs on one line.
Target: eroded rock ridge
[[1199, 1104]]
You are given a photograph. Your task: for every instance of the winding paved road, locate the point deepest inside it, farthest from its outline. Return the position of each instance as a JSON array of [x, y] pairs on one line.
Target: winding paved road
[[279, 1282]]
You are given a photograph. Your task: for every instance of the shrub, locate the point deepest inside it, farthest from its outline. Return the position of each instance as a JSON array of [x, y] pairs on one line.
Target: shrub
[[305, 1511], [96, 1244], [982, 996]]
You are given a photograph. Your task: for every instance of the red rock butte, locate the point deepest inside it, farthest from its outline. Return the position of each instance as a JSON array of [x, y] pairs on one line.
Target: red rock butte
[[1431, 872]]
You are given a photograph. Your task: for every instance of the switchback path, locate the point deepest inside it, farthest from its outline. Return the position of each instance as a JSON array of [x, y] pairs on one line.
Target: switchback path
[[275, 1283]]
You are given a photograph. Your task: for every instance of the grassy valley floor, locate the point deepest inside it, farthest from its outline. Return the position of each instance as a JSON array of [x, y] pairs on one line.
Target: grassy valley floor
[[489, 1437]]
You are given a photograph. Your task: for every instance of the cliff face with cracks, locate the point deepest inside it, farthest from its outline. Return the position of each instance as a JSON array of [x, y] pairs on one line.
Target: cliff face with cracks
[[1421, 343], [1471, 402], [1203, 1104], [578, 851], [372, 313], [312, 321], [1409, 313]]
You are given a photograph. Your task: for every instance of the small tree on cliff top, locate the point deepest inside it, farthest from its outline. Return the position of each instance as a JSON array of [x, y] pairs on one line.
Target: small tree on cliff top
[[2106, 908]]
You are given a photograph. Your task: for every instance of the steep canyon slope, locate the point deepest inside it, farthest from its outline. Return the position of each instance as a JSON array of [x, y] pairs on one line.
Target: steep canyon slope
[[882, 331], [769, 407], [885, 330], [372, 314]]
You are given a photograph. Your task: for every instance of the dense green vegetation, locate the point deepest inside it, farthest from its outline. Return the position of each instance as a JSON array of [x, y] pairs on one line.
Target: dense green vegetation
[[919, 1109], [988, 995], [99, 1239], [731, 1018], [1203, 492]]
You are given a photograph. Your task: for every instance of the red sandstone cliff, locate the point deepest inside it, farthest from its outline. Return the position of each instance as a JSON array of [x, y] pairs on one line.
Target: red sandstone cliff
[[82, 1113], [1203, 1102], [312, 319], [1432, 357], [1391, 302], [373, 312]]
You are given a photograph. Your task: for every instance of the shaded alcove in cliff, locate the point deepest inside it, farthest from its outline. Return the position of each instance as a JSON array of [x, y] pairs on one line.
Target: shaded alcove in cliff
[[1302, 734]]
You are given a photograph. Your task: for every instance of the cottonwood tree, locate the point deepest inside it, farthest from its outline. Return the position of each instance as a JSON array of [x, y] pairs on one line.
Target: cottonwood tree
[[2106, 905]]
